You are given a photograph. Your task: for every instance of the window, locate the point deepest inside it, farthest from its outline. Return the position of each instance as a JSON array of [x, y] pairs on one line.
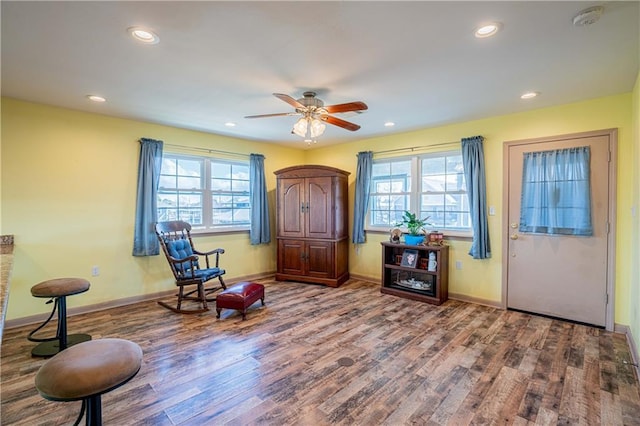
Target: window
[[210, 194], [390, 192], [431, 185], [443, 193]]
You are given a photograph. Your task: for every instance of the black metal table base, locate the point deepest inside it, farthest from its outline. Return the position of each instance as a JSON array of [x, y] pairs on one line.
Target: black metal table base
[[47, 349]]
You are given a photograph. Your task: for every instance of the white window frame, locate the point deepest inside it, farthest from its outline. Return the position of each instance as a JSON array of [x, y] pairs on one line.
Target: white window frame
[[207, 192], [415, 193], [410, 193]]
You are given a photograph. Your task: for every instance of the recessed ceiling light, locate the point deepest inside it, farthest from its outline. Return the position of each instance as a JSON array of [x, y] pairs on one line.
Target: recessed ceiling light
[[230, 124], [588, 16], [389, 124], [96, 98], [488, 30], [143, 35], [529, 95]]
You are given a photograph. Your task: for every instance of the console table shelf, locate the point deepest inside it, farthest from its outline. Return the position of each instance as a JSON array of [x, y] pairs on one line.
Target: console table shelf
[[416, 283]]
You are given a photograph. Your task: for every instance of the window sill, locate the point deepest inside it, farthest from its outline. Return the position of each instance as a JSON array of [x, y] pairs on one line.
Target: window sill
[[212, 232]]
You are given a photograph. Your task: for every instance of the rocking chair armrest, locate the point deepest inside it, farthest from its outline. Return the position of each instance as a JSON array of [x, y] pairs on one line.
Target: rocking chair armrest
[[206, 255], [192, 258]]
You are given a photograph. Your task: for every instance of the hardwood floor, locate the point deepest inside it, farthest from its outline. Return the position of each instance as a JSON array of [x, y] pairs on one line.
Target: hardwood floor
[[414, 363]]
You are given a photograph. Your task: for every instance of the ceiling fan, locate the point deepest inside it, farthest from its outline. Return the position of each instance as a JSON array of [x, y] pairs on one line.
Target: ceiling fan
[[315, 114]]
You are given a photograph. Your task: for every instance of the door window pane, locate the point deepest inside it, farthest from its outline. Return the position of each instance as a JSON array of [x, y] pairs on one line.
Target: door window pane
[[556, 192]]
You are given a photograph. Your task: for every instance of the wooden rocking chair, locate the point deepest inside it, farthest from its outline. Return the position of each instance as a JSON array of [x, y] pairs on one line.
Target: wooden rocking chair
[[175, 239]]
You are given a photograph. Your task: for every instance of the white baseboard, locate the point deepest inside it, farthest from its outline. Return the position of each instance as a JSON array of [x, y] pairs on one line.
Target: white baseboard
[[40, 318]]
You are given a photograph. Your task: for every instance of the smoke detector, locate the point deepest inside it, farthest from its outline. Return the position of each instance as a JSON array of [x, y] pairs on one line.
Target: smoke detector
[[588, 16]]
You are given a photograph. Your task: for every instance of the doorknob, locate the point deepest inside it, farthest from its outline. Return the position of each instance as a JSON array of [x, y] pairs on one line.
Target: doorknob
[[514, 236], [514, 225]]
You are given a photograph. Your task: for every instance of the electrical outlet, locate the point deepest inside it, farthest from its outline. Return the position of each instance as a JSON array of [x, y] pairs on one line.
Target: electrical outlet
[[458, 264], [95, 271]]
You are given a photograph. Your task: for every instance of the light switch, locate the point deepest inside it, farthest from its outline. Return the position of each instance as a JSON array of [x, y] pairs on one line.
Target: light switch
[[492, 211]]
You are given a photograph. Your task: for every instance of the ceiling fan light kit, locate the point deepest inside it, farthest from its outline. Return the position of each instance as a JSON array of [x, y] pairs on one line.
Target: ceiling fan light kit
[[308, 126], [300, 127], [315, 114], [317, 128]]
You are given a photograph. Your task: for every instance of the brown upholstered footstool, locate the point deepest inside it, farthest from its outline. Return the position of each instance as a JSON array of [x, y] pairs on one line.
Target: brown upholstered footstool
[[87, 370], [240, 297]]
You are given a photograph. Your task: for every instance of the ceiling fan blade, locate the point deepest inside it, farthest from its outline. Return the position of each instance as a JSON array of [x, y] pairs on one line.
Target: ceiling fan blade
[[340, 123], [288, 99], [278, 114], [349, 106]]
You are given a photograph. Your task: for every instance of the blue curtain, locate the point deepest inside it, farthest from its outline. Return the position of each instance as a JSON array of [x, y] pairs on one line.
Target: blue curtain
[[145, 241], [260, 232], [556, 192], [473, 160], [361, 198]]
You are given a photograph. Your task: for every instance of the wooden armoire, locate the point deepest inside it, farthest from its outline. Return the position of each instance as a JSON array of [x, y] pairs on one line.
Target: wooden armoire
[[311, 225]]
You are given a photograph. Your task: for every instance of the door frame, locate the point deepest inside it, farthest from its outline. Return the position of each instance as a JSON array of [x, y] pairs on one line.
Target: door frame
[[611, 237]]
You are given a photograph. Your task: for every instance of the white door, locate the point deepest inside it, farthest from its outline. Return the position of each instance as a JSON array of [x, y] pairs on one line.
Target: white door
[[559, 275]]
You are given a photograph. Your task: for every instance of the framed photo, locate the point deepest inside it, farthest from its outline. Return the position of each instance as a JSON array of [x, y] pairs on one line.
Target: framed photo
[[394, 235], [409, 258]]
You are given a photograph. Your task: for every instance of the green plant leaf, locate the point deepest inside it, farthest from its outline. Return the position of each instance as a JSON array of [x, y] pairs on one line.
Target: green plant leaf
[[413, 224]]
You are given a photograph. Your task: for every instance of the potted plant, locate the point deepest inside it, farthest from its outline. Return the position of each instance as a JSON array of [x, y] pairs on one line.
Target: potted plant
[[415, 227]]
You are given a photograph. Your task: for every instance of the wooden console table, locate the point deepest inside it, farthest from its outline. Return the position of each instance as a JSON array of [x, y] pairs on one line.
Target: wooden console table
[[6, 265]]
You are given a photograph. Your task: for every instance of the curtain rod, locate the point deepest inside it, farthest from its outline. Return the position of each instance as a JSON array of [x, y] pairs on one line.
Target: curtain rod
[[414, 148], [208, 150]]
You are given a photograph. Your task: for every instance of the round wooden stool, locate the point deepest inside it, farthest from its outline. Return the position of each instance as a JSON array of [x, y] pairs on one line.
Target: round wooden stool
[[86, 371], [58, 289]]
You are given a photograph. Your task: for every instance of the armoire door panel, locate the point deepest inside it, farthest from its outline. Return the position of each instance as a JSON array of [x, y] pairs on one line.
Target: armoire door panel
[[291, 257], [319, 259], [291, 205], [319, 223]]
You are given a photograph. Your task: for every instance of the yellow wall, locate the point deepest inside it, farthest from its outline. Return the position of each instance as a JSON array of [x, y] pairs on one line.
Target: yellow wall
[[69, 188], [68, 196], [481, 279], [634, 299]]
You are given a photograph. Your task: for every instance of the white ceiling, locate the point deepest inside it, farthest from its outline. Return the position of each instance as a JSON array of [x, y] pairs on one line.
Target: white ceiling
[[415, 63]]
